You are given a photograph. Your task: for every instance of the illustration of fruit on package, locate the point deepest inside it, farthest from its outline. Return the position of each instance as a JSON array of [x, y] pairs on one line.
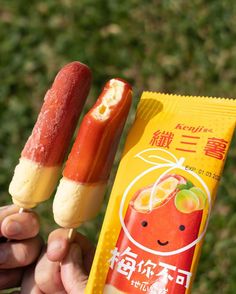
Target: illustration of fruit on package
[[163, 194]]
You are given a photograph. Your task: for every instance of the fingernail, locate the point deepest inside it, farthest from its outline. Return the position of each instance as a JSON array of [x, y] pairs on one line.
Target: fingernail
[[3, 256], [54, 246], [13, 228]]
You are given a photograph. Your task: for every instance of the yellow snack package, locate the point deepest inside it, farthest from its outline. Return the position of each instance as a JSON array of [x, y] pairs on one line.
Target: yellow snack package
[[163, 194]]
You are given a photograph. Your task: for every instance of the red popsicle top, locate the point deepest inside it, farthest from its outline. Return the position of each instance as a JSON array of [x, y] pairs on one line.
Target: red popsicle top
[[93, 152], [58, 117]]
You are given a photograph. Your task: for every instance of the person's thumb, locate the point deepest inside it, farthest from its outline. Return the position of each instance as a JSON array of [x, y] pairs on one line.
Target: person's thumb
[[73, 274]]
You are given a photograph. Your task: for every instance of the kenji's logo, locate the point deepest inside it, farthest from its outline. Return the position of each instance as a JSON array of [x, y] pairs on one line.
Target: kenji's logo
[[193, 129]]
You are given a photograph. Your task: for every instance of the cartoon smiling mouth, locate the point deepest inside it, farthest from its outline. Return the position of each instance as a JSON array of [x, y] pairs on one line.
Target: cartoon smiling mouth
[[162, 243]]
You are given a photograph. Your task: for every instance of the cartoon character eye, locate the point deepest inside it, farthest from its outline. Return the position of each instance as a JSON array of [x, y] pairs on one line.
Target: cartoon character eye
[[182, 227], [144, 223]]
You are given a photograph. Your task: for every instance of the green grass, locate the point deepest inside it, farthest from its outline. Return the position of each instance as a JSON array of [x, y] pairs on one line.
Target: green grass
[[184, 47]]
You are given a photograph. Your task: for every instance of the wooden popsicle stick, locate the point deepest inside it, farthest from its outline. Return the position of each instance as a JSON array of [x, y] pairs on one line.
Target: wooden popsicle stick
[[21, 210], [71, 235]]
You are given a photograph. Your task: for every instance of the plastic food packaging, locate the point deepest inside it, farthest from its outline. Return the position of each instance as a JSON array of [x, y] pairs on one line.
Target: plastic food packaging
[[163, 195]]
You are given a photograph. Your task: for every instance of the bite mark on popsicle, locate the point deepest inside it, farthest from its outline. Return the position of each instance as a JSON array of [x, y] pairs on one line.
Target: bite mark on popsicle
[[36, 175], [81, 190]]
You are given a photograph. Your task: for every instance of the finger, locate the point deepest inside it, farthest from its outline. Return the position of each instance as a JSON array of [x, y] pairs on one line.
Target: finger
[[20, 226], [84, 243], [3, 239], [58, 245], [88, 260], [19, 254], [5, 211], [47, 276], [28, 283], [73, 274], [88, 251], [10, 278]]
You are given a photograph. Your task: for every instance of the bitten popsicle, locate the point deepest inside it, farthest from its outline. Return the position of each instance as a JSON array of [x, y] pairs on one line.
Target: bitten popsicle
[[36, 175], [81, 190]]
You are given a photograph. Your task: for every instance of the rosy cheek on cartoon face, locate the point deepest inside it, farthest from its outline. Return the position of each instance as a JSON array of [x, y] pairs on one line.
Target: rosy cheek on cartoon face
[[165, 228]]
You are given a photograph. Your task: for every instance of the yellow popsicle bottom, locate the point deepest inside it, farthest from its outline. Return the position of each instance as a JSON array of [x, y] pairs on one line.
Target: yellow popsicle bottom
[[75, 203], [32, 183]]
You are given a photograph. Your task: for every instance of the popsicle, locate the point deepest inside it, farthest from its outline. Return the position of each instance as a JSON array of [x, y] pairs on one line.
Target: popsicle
[[38, 170], [81, 190]]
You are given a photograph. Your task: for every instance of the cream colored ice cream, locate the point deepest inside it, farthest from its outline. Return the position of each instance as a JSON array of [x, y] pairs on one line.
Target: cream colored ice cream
[[32, 183], [76, 203]]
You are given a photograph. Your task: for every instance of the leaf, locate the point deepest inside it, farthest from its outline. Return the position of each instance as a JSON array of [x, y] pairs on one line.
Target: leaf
[[186, 186], [157, 156]]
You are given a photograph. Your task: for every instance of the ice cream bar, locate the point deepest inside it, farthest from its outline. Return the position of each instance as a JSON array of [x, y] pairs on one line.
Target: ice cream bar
[[81, 190], [40, 163]]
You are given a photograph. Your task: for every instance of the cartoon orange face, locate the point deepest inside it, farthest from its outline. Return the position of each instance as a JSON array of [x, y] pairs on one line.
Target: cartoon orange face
[[170, 220]]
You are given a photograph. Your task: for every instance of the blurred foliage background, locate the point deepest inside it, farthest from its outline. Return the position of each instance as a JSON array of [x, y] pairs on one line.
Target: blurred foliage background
[[185, 47]]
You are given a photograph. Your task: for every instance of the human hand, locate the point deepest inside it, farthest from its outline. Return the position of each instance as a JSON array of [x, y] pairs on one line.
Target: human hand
[[20, 244], [62, 268]]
